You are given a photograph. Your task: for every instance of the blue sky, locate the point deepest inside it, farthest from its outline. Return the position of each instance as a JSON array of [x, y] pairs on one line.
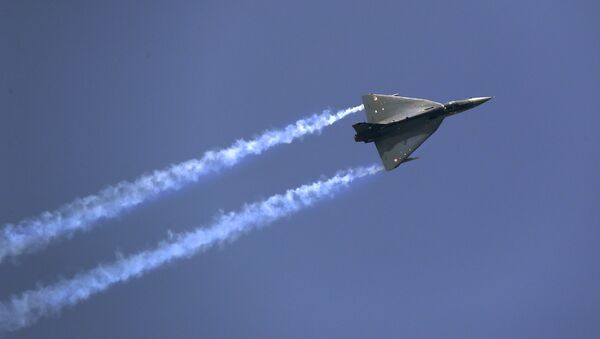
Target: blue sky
[[493, 233]]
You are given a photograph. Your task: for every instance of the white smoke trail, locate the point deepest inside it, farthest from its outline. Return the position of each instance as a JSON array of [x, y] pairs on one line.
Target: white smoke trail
[[33, 234], [25, 309]]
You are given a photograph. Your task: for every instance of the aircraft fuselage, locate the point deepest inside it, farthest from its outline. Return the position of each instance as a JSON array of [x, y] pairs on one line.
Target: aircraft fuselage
[[370, 132]]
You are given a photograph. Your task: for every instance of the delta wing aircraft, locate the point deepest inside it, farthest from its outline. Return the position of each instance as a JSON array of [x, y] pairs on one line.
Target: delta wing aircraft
[[399, 125]]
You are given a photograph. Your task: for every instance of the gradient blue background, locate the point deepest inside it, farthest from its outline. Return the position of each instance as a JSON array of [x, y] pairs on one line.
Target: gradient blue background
[[492, 234]]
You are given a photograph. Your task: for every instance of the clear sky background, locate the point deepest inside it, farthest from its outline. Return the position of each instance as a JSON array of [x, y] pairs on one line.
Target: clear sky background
[[492, 234]]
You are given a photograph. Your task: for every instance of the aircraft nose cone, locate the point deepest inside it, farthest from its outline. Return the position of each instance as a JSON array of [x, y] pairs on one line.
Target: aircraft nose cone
[[480, 100]]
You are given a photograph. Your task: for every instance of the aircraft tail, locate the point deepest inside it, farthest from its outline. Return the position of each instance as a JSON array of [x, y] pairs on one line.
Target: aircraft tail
[[362, 127], [366, 132]]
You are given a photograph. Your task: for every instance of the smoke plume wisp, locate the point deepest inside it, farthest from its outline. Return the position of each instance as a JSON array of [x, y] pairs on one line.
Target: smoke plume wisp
[[35, 233], [23, 310]]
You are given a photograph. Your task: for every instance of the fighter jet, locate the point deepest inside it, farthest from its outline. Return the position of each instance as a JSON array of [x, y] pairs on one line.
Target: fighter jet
[[399, 125]]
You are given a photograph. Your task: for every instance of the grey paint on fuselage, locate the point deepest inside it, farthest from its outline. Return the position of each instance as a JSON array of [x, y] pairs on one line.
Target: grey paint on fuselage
[[399, 125]]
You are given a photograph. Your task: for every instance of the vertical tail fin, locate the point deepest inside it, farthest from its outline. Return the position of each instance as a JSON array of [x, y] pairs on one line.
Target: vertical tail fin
[[381, 108]]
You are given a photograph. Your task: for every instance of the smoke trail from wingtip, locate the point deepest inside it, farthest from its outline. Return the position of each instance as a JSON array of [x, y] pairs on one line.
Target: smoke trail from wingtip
[[33, 234], [25, 309]]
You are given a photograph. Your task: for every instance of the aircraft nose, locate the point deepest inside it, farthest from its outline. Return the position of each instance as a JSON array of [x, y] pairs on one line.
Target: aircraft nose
[[480, 100]]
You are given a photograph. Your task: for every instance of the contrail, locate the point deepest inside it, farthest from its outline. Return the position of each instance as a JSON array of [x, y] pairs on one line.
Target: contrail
[[25, 309], [33, 234]]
